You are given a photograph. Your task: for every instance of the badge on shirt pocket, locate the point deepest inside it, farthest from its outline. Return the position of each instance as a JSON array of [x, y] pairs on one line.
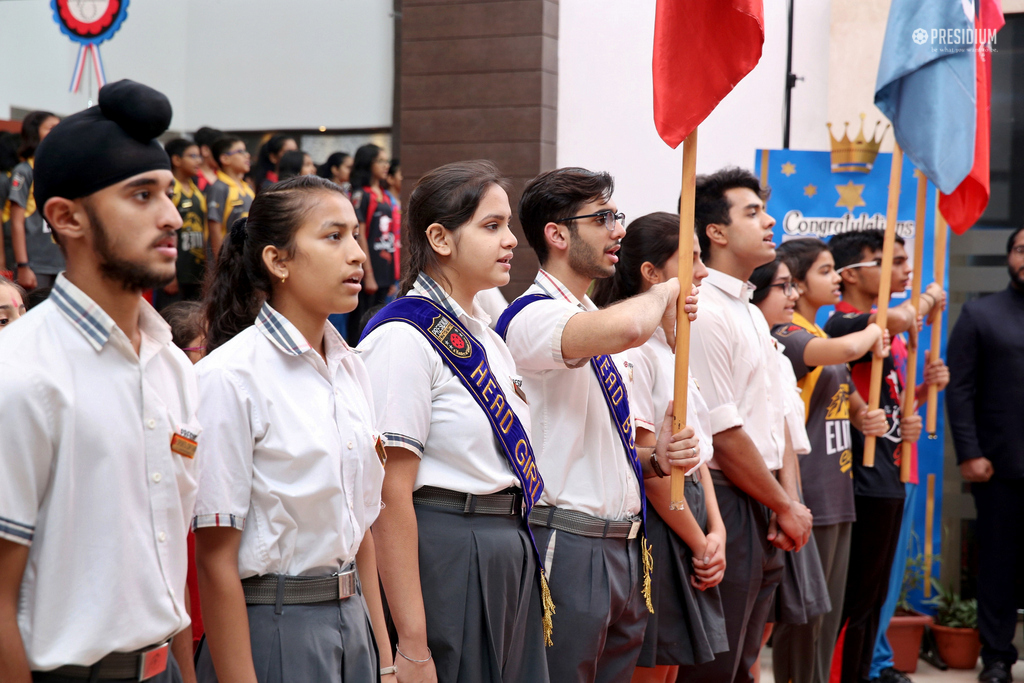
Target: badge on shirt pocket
[[184, 443], [517, 385], [379, 443]]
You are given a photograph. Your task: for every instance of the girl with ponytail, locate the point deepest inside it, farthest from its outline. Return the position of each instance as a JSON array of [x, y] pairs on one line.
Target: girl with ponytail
[[291, 479], [457, 559], [688, 624]]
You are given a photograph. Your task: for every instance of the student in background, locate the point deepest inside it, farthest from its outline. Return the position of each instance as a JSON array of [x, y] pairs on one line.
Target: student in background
[[295, 163], [230, 197], [12, 301], [38, 259], [207, 175], [8, 160], [393, 188], [376, 229], [337, 169], [193, 235], [267, 171]]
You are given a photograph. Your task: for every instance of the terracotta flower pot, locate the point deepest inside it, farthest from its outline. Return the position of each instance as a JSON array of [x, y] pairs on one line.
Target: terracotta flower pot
[[959, 647], [905, 633]]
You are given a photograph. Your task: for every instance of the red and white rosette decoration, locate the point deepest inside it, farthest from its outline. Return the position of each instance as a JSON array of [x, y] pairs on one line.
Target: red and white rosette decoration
[[89, 23]]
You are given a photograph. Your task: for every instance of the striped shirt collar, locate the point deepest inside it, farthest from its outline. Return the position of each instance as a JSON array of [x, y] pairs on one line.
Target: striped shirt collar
[[94, 323], [426, 287], [555, 289], [286, 337], [734, 287]]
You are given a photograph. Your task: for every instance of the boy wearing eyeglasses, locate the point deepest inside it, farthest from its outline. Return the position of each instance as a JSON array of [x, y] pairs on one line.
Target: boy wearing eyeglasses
[[575, 375], [877, 545], [193, 235], [230, 197]]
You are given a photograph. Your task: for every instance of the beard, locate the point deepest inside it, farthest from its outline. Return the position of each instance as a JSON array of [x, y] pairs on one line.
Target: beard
[[585, 259], [1017, 277], [132, 277]]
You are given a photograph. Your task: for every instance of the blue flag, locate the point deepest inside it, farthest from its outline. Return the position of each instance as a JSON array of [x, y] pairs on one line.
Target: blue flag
[[926, 86]]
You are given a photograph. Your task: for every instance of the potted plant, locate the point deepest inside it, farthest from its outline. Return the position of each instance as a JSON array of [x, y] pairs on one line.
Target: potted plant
[[956, 627], [906, 628]]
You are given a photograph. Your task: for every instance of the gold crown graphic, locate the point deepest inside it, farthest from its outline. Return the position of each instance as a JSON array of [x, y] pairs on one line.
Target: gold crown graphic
[[857, 155]]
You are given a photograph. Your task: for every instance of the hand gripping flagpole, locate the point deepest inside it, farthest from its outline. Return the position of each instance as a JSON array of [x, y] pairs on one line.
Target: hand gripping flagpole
[[686, 205], [910, 386], [884, 290], [941, 233]]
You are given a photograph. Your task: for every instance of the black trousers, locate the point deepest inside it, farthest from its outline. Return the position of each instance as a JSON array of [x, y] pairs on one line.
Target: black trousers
[[872, 548], [1000, 534]]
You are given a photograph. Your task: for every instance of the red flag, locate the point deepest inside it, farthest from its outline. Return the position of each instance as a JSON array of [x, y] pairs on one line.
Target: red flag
[[964, 206], [701, 51]]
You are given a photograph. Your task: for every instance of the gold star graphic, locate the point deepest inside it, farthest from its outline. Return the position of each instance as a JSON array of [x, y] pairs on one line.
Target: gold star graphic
[[850, 196], [810, 190], [788, 169]]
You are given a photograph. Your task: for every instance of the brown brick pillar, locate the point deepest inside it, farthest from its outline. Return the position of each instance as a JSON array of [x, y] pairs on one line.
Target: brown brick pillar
[[479, 79]]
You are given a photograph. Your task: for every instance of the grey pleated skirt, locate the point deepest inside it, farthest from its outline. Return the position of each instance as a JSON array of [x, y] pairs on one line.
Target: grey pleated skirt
[[481, 594], [328, 642], [803, 593], [688, 625]]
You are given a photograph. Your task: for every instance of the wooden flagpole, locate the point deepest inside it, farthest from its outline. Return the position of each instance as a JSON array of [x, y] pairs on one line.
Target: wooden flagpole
[[686, 204], [941, 234], [909, 388], [929, 530], [884, 290]]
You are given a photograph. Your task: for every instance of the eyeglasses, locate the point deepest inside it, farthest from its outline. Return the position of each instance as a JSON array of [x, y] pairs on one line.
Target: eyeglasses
[[194, 156], [607, 218], [862, 264], [1018, 250], [235, 151], [788, 288]]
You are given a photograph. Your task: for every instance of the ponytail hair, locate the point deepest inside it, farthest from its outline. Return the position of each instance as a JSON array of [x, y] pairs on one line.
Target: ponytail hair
[[652, 238], [237, 288], [448, 195]]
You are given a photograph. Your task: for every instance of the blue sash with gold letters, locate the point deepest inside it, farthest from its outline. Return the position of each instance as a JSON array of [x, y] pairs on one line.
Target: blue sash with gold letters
[[614, 391], [466, 357]]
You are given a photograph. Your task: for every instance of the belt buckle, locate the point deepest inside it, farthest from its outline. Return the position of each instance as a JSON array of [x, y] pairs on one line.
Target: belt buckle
[[634, 530], [153, 662], [346, 584]]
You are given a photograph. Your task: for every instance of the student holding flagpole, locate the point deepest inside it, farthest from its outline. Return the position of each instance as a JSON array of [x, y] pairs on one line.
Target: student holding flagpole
[[590, 527], [687, 625], [458, 562]]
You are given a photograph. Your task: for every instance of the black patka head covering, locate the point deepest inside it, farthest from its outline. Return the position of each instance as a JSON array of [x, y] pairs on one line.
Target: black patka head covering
[[105, 144]]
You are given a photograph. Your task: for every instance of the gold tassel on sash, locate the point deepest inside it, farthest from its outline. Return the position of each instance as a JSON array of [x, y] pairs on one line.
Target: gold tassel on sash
[[549, 608], [648, 557]]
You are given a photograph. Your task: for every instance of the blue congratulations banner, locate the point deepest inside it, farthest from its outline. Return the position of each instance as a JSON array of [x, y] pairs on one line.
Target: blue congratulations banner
[[809, 200]]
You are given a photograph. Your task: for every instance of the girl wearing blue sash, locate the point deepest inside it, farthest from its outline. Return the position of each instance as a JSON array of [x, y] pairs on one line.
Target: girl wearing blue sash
[[457, 560], [290, 476], [687, 626]]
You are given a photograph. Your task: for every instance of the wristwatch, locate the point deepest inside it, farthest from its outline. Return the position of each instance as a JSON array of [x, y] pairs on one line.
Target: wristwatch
[[389, 670], [656, 467], [21, 265]]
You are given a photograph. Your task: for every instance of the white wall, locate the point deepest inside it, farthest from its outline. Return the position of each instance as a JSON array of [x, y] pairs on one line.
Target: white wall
[[237, 64], [605, 98]]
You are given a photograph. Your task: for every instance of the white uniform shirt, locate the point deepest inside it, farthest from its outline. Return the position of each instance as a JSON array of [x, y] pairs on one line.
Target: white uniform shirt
[[654, 369], [579, 452], [88, 479], [288, 449], [423, 407], [732, 356], [796, 418]]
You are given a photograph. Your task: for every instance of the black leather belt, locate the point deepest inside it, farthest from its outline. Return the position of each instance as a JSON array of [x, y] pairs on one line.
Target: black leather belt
[[582, 524], [278, 589], [130, 666], [507, 502]]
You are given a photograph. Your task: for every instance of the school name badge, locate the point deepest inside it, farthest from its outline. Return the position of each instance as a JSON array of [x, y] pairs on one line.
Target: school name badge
[[445, 332]]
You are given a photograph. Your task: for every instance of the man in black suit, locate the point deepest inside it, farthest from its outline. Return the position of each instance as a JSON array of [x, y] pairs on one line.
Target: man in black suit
[[985, 399]]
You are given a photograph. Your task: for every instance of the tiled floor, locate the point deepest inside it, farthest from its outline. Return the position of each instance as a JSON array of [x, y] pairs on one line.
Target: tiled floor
[[926, 673]]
